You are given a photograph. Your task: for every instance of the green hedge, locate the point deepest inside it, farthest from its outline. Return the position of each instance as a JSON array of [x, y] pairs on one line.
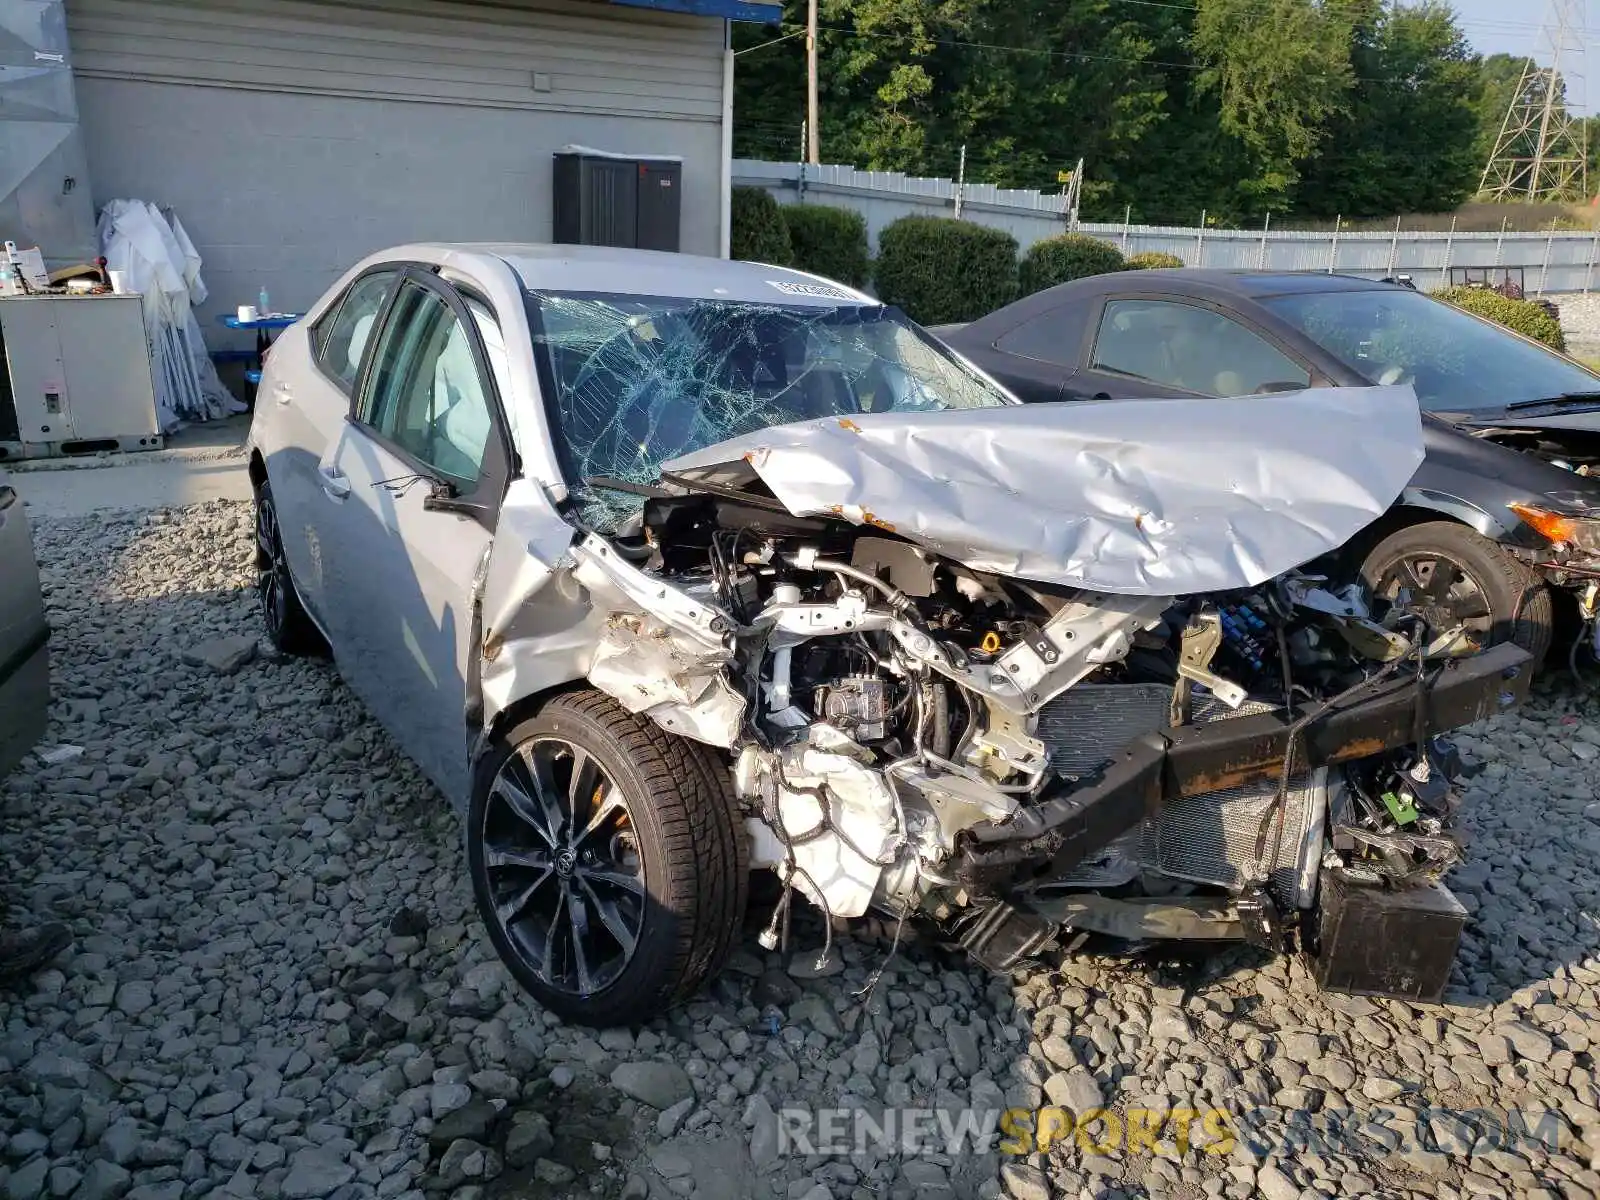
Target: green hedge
[[759, 233], [1152, 260], [1524, 316], [829, 241], [941, 270], [1069, 256]]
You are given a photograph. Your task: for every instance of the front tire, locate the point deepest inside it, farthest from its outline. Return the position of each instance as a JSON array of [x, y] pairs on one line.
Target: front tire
[[606, 861], [1455, 574]]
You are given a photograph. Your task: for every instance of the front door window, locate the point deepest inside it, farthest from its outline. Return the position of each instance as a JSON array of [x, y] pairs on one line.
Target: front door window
[[1190, 348]]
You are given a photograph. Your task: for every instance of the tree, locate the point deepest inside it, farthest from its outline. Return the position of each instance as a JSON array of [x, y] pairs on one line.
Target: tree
[[1234, 107], [1086, 91], [1281, 69], [1407, 141]]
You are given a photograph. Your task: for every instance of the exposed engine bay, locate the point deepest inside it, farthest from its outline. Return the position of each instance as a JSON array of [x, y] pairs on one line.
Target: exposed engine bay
[[1024, 763]]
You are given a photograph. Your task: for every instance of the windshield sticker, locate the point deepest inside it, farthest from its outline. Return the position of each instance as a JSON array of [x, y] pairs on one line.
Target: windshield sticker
[[820, 291]]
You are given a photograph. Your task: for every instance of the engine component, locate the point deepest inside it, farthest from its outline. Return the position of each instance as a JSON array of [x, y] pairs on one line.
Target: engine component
[[998, 936], [1373, 941], [1201, 640], [909, 568], [857, 704], [1004, 749], [1258, 918], [1085, 633]]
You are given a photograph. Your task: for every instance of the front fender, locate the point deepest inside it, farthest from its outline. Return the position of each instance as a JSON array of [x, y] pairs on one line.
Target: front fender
[[1457, 508]]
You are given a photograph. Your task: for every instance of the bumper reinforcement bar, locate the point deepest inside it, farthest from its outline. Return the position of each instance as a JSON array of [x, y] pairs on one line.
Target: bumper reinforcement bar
[[1071, 820]]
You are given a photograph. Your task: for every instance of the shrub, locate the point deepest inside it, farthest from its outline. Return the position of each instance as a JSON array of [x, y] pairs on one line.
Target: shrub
[[829, 241], [759, 232], [1525, 316], [1070, 256], [1152, 260], [941, 270]]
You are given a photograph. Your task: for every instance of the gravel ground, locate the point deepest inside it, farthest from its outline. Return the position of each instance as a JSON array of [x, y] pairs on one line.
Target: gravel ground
[[1580, 321], [278, 988]]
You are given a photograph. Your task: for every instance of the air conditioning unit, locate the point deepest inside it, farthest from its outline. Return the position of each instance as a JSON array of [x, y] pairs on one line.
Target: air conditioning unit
[[604, 199], [75, 376]]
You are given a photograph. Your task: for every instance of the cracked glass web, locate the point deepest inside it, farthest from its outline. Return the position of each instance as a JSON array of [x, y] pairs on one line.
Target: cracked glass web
[[641, 380]]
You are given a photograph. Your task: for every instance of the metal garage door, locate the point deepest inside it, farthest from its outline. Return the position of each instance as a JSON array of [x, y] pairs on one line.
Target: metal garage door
[[292, 138]]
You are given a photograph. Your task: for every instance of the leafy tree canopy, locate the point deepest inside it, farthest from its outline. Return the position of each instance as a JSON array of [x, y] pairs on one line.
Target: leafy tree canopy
[[1238, 107]]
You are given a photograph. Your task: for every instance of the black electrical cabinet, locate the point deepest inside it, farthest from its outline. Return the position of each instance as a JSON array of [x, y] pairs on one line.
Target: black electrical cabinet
[[610, 200]]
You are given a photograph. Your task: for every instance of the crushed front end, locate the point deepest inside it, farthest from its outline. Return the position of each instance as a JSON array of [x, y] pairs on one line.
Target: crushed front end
[[1022, 764]]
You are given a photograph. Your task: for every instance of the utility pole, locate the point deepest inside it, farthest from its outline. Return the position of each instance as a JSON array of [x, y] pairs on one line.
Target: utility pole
[[1539, 154], [812, 141]]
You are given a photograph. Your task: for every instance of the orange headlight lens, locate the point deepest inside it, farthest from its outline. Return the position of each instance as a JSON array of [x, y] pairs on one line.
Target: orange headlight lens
[[1581, 532]]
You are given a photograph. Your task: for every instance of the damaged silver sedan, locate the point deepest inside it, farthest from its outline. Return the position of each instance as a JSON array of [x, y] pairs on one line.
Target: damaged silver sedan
[[666, 570]]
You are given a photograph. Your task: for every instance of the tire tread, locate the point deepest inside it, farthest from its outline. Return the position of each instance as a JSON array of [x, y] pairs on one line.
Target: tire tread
[[704, 850]]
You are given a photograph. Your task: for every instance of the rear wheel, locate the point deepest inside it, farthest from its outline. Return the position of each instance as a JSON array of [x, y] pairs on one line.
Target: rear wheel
[[1453, 575], [289, 628], [606, 861]]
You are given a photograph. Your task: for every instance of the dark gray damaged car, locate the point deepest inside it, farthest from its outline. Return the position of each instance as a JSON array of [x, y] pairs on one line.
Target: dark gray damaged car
[[1500, 526]]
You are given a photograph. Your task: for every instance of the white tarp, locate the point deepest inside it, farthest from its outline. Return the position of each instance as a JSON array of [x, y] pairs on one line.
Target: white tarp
[[1143, 497], [163, 266]]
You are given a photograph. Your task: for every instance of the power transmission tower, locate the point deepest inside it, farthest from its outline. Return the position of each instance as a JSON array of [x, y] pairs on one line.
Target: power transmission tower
[[1539, 154]]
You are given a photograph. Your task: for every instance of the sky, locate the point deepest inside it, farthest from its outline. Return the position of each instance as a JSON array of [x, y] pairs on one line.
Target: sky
[[1512, 27]]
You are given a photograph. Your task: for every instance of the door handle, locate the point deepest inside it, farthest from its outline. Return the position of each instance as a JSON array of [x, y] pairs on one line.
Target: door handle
[[282, 392], [334, 485], [1101, 396]]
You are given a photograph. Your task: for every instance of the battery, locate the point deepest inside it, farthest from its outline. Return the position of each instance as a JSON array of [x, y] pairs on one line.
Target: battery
[[1378, 942]]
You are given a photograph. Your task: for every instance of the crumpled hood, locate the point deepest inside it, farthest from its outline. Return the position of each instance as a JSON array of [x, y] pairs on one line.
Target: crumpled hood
[[1143, 497]]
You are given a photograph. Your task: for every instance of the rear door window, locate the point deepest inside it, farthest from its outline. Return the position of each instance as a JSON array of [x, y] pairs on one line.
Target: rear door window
[[1044, 338], [1190, 348], [341, 336]]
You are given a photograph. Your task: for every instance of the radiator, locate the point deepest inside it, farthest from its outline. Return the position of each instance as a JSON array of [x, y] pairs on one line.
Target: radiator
[[1200, 839]]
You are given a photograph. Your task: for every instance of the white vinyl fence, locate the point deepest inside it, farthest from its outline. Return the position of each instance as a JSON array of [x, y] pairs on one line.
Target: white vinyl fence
[[1556, 261]]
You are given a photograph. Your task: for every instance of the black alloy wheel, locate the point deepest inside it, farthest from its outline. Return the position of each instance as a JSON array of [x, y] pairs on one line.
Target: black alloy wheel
[[563, 860], [289, 628], [608, 861]]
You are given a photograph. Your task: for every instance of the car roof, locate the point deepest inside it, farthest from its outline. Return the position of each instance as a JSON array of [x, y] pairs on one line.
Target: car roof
[[1214, 283], [1236, 282], [559, 268]]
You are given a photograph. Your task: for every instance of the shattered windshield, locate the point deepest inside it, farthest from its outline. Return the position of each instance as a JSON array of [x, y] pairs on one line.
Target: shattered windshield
[[638, 380]]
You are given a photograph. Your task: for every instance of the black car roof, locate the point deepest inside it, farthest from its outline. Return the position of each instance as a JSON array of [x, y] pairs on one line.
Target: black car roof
[[1210, 282], [1241, 282]]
